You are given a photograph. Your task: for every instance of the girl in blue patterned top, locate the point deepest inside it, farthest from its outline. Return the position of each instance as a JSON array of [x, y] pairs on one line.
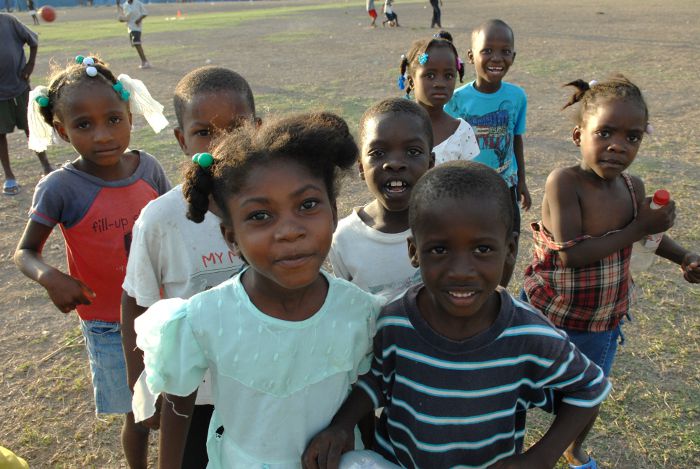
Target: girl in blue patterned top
[[283, 340]]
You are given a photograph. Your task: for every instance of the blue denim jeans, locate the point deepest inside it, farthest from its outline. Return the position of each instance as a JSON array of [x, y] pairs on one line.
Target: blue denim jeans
[[103, 341]]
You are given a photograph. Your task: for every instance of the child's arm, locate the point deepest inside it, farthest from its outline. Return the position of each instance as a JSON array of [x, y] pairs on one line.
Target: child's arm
[[566, 224], [133, 356], [174, 426], [66, 292], [568, 424], [523, 193], [674, 252], [325, 448]]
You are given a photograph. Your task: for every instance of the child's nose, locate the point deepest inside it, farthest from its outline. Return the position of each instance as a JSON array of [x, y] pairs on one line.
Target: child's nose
[[395, 163], [289, 229], [102, 134]]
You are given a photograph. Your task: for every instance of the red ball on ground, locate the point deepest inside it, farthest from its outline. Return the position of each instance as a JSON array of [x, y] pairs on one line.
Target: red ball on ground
[[47, 13]]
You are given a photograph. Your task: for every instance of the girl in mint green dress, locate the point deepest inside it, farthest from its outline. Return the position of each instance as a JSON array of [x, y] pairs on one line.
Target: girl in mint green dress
[[283, 340]]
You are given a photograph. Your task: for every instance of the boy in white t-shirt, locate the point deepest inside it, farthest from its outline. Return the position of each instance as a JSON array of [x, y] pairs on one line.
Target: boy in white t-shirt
[[369, 246], [132, 13], [173, 257]]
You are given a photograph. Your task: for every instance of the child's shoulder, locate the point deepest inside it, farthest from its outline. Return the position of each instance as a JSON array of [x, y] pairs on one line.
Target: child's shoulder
[[347, 293], [169, 207]]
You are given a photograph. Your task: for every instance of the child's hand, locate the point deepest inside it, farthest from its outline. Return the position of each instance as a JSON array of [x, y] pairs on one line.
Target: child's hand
[[524, 195], [67, 292], [153, 422], [656, 221], [325, 448], [691, 267]]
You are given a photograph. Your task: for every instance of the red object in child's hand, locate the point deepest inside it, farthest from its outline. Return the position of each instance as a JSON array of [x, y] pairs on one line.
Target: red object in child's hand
[[47, 13]]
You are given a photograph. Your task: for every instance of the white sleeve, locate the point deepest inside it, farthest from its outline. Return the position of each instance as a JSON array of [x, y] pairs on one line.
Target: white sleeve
[[470, 144], [143, 278], [340, 270]]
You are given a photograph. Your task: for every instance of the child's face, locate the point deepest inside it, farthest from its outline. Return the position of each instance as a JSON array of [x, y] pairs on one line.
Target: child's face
[[492, 54], [461, 247], [282, 222], [395, 154], [207, 114], [610, 136], [95, 121], [435, 81]]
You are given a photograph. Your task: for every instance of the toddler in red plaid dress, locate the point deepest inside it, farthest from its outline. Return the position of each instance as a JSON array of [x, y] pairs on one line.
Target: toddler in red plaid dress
[[592, 214]]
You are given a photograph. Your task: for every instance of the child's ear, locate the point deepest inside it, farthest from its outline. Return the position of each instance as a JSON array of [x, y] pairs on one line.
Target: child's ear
[[412, 251], [180, 137], [431, 162], [334, 209], [512, 247], [61, 131], [514, 54], [361, 169], [230, 237], [470, 56], [576, 136]]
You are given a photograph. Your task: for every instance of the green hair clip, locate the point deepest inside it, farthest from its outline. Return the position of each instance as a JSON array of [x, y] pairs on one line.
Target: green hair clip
[[204, 160], [119, 88]]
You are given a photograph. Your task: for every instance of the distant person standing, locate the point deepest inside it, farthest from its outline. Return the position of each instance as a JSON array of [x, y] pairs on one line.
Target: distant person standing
[[133, 12], [436, 4], [14, 90], [32, 11], [372, 12]]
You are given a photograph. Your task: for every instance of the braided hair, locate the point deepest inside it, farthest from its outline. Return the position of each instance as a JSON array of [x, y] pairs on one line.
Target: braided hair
[[63, 79], [409, 61], [616, 87]]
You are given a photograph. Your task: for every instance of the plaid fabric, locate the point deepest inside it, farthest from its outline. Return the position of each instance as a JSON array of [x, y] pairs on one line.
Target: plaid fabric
[[591, 298]]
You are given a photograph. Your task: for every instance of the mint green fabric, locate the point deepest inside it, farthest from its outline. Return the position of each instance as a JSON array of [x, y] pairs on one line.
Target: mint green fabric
[[275, 383]]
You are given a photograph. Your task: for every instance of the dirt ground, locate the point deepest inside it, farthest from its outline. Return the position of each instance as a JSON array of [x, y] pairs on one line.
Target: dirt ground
[[301, 55]]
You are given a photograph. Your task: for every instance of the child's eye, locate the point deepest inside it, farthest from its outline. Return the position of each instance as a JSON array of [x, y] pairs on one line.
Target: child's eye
[[507, 52], [483, 249], [486, 51], [603, 133], [203, 133], [375, 153], [83, 125], [438, 250], [415, 152], [634, 138], [309, 204], [429, 75], [259, 216], [450, 76], [115, 120]]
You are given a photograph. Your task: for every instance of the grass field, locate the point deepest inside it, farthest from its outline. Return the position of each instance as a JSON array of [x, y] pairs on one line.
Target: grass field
[[301, 55]]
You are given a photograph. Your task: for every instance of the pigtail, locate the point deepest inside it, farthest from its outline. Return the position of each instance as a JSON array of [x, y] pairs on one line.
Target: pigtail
[[581, 88], [198, 186]]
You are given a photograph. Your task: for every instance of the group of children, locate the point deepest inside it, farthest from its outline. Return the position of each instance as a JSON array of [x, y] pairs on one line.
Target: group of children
[[227, 314]]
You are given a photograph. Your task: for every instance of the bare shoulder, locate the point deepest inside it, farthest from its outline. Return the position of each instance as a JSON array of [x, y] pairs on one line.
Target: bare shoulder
[[562, 177], [638, 186]]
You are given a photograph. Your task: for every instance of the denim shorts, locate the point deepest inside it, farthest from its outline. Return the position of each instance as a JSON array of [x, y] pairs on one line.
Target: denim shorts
[[599, 347], [103, 341]]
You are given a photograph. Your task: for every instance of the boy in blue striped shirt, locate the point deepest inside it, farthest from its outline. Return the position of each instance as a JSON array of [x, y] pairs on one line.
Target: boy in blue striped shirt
[[457, 360]]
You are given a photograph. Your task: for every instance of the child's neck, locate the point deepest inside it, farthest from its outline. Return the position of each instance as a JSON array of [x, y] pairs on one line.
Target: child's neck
[[376, 216], [444, 125], [296, 304], [454, 327], [483, 86], [126, 167]]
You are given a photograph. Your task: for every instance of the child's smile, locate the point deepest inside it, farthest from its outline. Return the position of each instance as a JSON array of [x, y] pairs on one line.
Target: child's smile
[[395, 153], [461, 247], [283, 222], [492, 54]]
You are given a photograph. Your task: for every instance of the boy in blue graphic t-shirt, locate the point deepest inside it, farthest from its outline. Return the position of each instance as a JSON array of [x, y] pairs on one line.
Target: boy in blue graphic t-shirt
[[496, 111]]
